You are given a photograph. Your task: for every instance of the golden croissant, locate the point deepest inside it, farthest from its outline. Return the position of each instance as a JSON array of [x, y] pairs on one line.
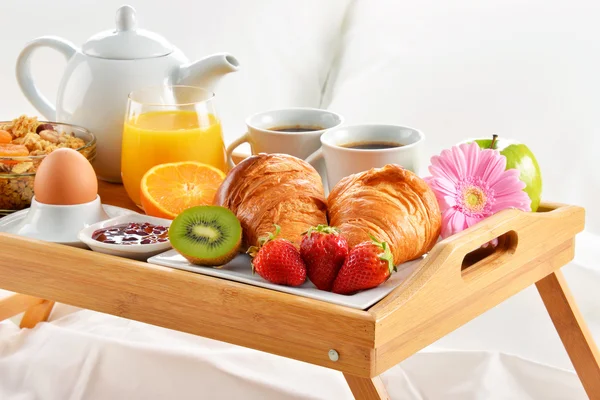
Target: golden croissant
[[268, 189], [390, 203]]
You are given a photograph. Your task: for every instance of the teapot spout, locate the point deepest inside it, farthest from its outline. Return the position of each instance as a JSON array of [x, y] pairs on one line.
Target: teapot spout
[[206, 72]]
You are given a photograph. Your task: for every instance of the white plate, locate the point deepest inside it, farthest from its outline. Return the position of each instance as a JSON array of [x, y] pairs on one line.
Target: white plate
[[134, 251], [239, 270], [10, 222]]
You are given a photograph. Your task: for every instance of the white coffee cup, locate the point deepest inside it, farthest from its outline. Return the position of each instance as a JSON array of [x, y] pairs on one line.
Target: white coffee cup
[[265, 136], [341, 160]]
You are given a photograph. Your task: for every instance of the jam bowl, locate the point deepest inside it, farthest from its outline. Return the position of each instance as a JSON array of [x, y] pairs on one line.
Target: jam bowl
[[17, 173], [133, 236]]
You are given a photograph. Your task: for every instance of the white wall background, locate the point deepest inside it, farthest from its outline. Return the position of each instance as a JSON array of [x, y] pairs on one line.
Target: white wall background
[[285, 50], [526, 69]]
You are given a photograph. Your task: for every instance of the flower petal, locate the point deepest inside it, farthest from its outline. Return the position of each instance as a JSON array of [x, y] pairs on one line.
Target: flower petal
[[449, 201], [459, 161], [459, 222], [508, 182], [439, 190], [493, 243], [471, 152], [515, 199], [471, 220], [446, 225], [447, 162], [520, 201], [453, 221], [438, 171], [445, 186], [492, 166]]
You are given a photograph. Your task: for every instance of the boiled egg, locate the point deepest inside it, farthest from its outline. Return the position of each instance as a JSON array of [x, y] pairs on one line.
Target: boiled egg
[[65, 177]]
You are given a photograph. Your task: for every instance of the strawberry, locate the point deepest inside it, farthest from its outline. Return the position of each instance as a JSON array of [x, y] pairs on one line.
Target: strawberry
[[278, 261], [368, 265], [323, 250]]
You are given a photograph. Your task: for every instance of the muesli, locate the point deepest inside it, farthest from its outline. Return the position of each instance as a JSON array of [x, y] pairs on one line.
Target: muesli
[[26, 137]]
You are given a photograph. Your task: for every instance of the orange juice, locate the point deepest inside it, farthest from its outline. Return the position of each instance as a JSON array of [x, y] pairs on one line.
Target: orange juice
[[159, 137]]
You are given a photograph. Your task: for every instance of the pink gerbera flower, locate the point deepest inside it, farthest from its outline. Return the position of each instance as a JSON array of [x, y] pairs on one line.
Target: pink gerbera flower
[[471, 184]]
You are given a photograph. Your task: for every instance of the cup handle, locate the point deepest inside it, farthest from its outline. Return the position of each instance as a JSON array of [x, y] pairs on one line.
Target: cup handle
[[314, 157], [236, 143]]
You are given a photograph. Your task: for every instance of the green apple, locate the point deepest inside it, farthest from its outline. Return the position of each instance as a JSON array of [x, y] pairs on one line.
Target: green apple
[[520, 157]]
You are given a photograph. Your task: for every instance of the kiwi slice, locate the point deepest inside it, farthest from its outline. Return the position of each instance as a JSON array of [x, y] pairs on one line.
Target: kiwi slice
[[206, 235]]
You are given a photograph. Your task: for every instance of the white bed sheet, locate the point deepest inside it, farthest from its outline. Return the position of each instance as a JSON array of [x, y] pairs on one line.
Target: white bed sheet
[[510, 352], [89, 356]]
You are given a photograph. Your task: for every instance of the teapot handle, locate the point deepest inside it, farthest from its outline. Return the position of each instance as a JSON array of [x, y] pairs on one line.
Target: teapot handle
[[25, 79]]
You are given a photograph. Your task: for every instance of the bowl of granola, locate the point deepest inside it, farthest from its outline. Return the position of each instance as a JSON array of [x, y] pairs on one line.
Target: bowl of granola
[[24, 142]]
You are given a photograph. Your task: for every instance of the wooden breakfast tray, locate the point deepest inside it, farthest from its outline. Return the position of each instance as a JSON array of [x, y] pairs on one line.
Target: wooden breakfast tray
[[446, 291]]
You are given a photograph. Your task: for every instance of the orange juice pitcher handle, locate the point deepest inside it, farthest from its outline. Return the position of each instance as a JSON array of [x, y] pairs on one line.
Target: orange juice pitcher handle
[[236, 143]]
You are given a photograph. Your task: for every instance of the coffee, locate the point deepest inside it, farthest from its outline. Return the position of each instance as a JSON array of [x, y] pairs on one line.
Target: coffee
[[297, 128], [371, 145]]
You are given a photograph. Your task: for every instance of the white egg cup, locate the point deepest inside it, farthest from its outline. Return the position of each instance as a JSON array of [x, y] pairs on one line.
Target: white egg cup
[[60, 223]]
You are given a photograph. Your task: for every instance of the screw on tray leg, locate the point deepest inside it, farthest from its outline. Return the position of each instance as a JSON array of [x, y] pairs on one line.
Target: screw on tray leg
[[333, 355]]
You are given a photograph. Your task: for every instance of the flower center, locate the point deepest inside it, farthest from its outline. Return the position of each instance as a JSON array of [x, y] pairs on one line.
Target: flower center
[[474, 198]]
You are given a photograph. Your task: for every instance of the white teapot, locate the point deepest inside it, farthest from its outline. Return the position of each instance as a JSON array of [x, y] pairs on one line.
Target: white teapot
[[99, 76]]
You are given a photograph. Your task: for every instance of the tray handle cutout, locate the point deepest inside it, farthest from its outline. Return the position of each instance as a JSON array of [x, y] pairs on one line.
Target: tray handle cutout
[[492, 254], [515, 231], [457, 266]]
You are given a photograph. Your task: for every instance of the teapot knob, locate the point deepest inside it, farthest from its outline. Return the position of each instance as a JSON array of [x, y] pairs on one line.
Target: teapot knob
[[125, 18]]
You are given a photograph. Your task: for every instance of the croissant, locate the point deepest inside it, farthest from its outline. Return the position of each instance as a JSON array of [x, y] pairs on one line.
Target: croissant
[[390, 203], [269, 189]]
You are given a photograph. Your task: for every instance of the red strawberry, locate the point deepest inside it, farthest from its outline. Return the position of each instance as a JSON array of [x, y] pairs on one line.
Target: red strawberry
[[278, 261], [323, 250], [368, 265]]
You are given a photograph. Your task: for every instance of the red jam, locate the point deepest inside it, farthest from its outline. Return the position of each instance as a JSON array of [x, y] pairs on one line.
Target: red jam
[[132, 233]]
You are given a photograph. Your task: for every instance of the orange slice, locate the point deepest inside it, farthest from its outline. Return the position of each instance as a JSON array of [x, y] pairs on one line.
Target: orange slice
[[168, 189]]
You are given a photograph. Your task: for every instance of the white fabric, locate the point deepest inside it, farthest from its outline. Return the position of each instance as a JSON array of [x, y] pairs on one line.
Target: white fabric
[[525, 69], [90, 356]]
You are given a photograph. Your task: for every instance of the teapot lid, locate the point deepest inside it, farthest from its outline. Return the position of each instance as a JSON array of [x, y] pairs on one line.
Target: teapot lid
[[126, 42]]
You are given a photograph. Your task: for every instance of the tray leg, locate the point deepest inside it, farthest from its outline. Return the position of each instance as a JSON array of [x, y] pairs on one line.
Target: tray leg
[[37, 313], [572, 331], [16, 304], [367, 388]]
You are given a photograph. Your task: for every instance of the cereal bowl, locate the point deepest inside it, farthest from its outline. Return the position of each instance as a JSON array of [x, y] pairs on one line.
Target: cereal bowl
[[18, 172]]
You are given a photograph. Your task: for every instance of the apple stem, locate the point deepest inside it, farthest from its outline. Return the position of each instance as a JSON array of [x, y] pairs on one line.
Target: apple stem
[[494, 138]]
